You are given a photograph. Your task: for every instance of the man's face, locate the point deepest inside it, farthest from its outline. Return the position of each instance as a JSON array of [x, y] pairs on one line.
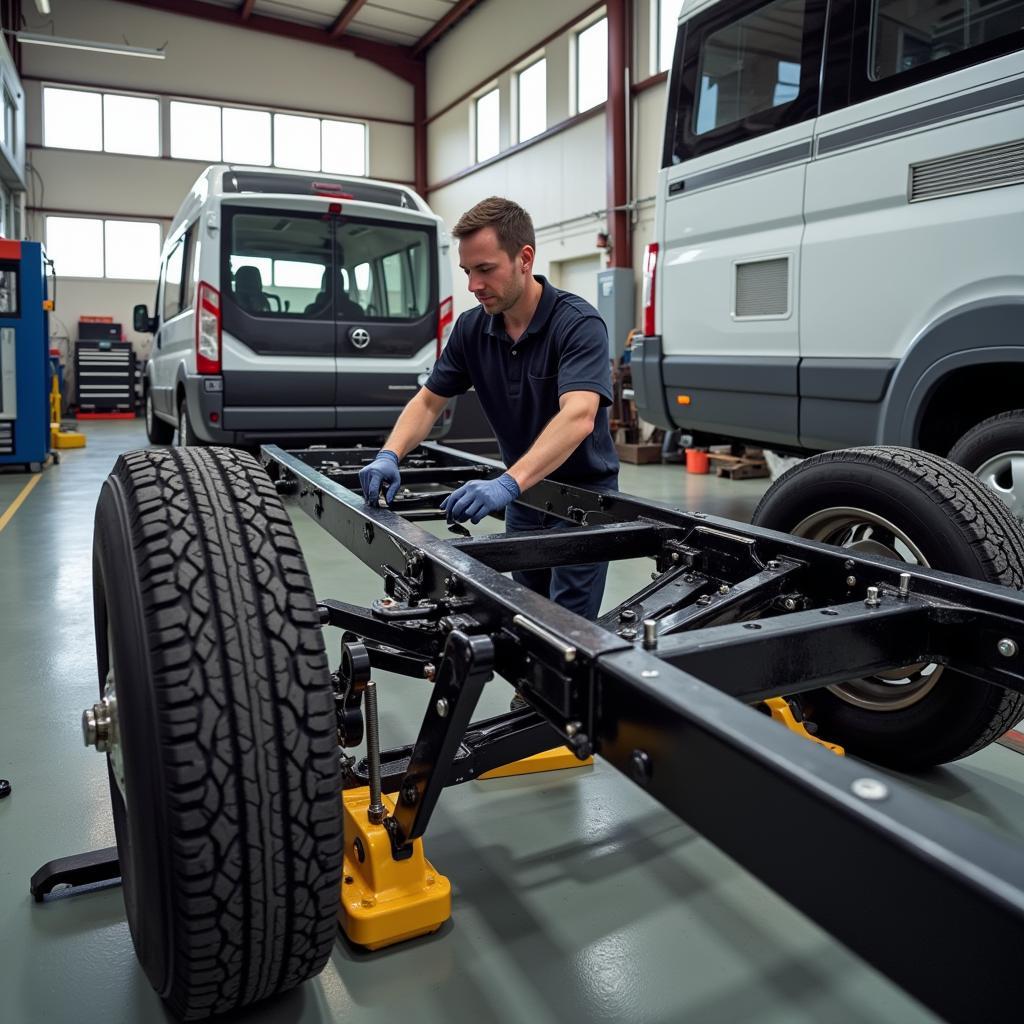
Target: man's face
[[495, 278]]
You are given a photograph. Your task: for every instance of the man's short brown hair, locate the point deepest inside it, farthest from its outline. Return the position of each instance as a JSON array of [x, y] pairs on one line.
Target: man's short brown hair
[[511, 223]]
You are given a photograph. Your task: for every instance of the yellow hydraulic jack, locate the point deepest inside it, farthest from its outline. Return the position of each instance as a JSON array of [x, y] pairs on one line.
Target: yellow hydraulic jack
[[61, 438], [384, 900], [783, 713]]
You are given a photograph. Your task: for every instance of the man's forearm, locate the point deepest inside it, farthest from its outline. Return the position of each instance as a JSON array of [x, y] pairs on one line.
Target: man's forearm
[[557, 441], [414, 424]]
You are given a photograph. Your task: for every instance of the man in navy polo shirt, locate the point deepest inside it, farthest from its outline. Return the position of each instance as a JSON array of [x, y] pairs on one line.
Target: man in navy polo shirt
[[538, 358]]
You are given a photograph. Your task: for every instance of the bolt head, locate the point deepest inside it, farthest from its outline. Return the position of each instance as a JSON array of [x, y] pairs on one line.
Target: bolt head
[[851, 581], [441, 707], [675, 556], [1007, 648], [571, 728], [789, 604], [774, 564], [869, 789]]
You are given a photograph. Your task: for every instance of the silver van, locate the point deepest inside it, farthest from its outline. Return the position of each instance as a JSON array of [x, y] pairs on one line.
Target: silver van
[[839, 238], [294, 308]]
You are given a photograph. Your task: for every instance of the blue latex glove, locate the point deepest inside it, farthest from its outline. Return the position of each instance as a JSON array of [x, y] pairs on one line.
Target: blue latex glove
[[480, 498], [382, 472]]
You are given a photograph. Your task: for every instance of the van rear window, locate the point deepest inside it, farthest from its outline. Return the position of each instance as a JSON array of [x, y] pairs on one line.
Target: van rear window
[[304, 185], [314, 268]]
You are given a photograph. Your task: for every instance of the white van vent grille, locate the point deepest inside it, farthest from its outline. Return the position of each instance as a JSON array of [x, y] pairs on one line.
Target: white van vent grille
[[762, 288], [977, 169]]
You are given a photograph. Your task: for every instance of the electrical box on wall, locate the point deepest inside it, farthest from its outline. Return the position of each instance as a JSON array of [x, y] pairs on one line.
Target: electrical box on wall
[[615, 303]]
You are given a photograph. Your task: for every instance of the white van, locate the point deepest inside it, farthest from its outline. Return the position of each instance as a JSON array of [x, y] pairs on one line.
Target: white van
[[839, 239], [294, 308]]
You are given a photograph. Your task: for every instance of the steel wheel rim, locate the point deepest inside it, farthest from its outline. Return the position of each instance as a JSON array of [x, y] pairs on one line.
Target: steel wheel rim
[[1004, 475], [856, 529]]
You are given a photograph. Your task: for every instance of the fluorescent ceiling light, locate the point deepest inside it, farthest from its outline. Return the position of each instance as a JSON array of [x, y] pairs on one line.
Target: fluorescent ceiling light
[[43, 6], [35, 39]]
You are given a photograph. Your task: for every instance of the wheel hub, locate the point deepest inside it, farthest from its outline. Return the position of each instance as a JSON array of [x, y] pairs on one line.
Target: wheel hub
[[867, 533], [1004, 474], [101, 729]]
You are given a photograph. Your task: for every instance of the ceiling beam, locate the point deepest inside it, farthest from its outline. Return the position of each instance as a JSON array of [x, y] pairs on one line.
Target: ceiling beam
[[432, 35], [351, 9], [246, 9], [399, 60]]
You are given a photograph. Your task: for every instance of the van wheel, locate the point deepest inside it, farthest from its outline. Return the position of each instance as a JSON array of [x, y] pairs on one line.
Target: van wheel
[[923, 510], [157, 430], [186, 435], [220, 731], [993, 451]]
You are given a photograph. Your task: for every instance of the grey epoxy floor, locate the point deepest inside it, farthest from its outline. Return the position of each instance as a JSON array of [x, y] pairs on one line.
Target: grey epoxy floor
[[576, 897]]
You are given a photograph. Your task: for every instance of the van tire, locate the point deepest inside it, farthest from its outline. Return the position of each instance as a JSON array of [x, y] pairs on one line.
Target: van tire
[[959, 526], [994, 451], [186, 435], [229, 829], [157, 430]]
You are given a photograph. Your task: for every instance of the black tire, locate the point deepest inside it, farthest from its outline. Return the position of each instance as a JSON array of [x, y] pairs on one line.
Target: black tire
[[229, 828], [158, 431], [958, 526], [186, 435], [988, 450]]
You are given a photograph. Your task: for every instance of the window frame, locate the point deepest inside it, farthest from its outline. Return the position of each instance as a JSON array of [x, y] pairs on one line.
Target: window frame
[[103, 245], [477, 99], [532, 63], [576, 66], [103, 93], [164, 264], [684, 92]]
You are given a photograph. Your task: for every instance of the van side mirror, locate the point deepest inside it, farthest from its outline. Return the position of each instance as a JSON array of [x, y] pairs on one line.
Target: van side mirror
[[142, 321]]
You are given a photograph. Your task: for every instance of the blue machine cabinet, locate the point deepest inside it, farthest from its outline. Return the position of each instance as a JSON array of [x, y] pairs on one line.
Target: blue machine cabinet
[[24, 356]]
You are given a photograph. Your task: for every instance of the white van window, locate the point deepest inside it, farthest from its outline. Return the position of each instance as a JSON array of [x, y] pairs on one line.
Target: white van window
[[279, 263], [751, 65], [392, 270], [907, 34], [173, 271]]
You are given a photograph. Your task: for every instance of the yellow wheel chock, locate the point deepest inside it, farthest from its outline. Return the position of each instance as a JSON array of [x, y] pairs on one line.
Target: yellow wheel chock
[[383, 900], [782, 712], [546, 761]]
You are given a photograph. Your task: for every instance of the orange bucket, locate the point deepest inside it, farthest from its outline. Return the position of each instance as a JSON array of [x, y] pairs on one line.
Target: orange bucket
[[697, 461]]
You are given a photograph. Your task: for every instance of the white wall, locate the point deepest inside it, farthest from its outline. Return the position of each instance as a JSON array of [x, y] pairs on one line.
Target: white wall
[[560, 180], [206, 61]]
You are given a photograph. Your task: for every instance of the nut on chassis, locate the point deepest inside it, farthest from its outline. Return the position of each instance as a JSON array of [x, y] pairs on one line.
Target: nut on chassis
[[755, 656]]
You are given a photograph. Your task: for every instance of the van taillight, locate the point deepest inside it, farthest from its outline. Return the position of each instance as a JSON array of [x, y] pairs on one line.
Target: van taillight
[[207, 329], [445, 319], [650, 269]]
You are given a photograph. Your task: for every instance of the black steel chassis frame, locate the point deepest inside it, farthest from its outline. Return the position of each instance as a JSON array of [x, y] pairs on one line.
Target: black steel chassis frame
[[740, 614]]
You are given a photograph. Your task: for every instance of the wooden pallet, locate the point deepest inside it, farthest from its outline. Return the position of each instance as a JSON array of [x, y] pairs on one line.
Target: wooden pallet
[[739, 467]]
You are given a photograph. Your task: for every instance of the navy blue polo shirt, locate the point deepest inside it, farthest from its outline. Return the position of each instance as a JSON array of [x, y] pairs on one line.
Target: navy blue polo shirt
[[519, 383]]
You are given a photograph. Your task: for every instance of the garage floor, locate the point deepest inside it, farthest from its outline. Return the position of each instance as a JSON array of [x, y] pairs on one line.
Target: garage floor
[[576, 897]]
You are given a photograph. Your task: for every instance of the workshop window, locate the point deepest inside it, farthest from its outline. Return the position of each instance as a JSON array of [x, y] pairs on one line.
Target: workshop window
[[486, 126], [73, 119], [665, 31], [90, 247], [195, 131], [131, 124], [247, 137], [592, 66], [297, 142], [344, 147], [532, 100], [131, 249]]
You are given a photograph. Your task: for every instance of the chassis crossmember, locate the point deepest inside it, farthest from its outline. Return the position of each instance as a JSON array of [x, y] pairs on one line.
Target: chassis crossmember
[[667, 687]]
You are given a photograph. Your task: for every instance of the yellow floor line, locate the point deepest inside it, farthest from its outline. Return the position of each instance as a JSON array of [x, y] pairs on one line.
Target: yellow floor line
[[16, 504]]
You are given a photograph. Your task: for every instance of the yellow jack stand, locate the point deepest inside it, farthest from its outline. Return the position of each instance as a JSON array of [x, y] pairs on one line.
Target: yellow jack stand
[[546, 761], [383, 900], [61, 438], [782, 712]]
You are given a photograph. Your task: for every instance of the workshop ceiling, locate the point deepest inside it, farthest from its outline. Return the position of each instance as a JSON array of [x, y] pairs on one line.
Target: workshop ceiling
[[407, 23]]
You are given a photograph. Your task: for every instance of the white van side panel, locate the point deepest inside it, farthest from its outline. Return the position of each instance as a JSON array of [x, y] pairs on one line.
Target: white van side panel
[[879, 269]]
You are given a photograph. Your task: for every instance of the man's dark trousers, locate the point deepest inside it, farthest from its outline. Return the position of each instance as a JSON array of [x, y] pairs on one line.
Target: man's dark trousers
[[576, 587]]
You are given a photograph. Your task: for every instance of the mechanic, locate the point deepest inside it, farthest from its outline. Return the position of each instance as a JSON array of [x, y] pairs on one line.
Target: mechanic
[[538, 358]]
